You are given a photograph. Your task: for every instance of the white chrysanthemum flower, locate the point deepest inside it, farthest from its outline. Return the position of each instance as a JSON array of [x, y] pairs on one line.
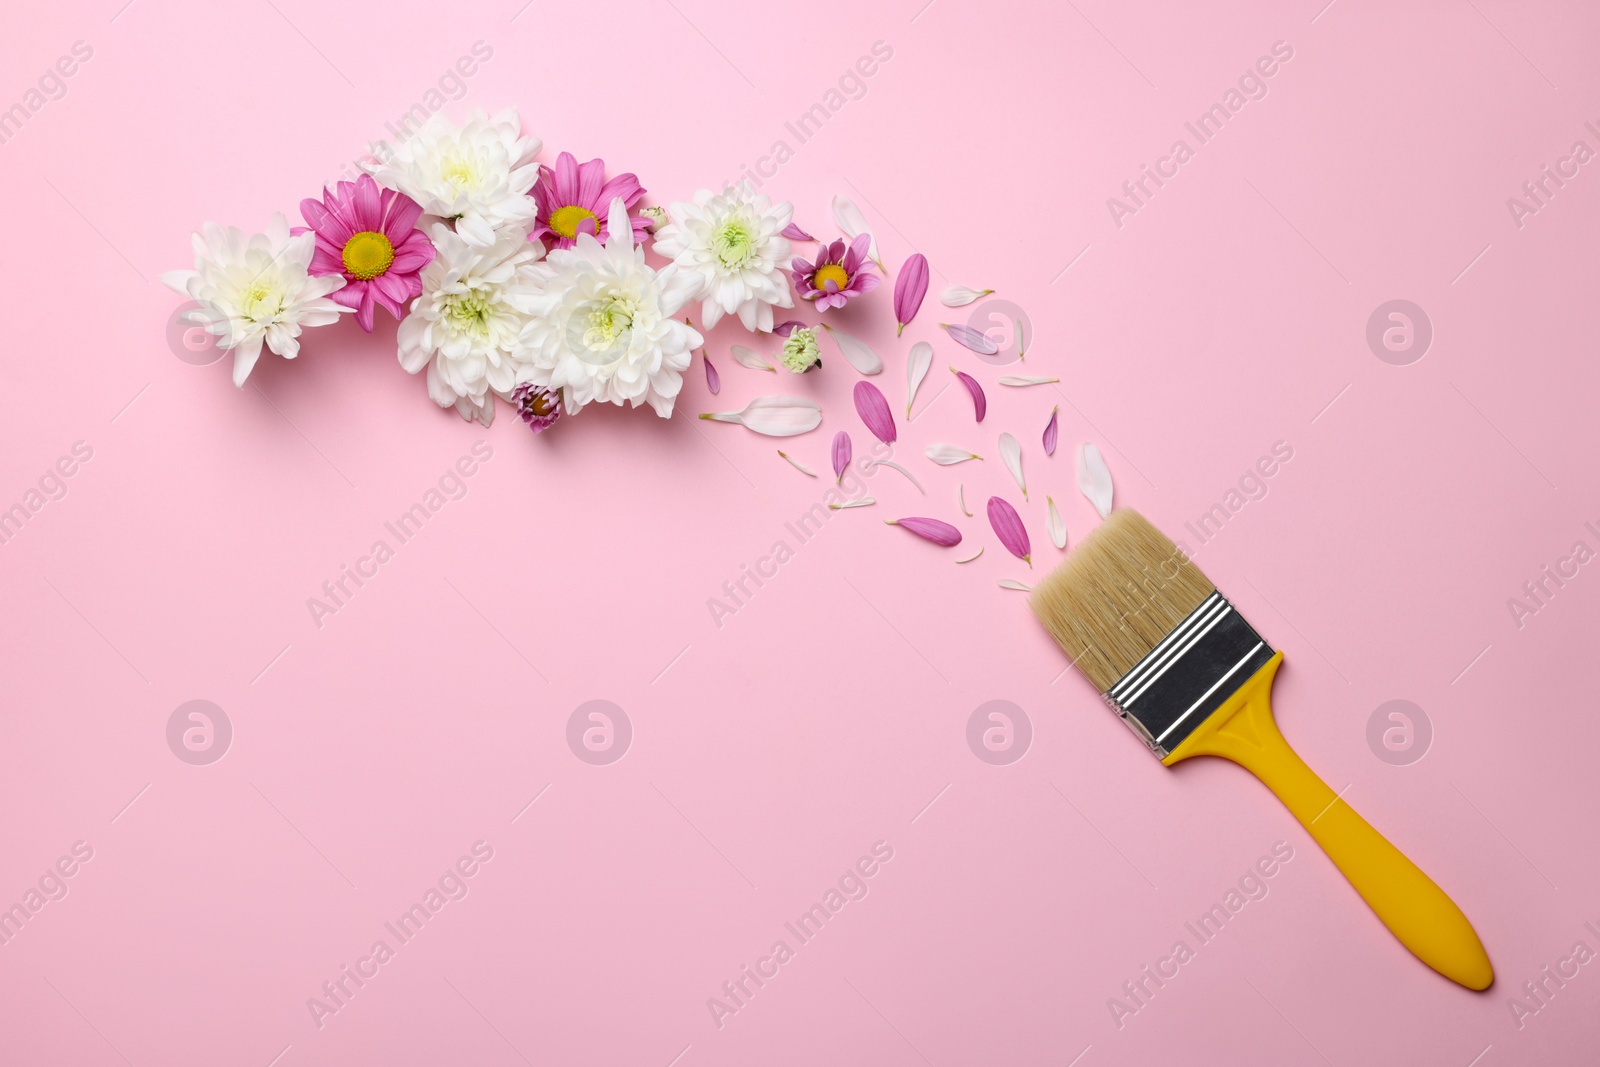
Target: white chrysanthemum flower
[[256, 288], [477, 175], [732, 243], [466, 325], [602, 326]]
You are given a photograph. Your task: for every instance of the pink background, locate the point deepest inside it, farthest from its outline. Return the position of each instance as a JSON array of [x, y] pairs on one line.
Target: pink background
[[829, 713]]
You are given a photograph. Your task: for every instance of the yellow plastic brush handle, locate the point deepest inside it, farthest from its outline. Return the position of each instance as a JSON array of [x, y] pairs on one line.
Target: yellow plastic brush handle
[[1413, 908]]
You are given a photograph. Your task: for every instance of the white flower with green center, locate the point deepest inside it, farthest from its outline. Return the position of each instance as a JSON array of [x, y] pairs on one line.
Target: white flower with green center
[[732, 244], [477, 175], [256, 289], [800, 351], [602, 326], [466, 327]]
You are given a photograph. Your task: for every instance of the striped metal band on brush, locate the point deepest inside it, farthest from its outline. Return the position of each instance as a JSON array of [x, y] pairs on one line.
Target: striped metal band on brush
[[1188, 675]]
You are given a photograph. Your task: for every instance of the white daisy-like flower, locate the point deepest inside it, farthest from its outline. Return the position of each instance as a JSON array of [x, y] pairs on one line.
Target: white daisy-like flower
[[477, 175], [602, 326], [466, 325], [256, 288], [732, 243]]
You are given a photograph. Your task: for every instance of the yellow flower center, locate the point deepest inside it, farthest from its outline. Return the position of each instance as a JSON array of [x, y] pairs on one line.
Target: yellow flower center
[[459, 173], [469, 313], [566, 220], [830, 272], [368, 254], [262, 303]]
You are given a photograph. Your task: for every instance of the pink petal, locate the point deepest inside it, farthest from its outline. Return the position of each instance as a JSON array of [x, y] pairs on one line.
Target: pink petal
[[713, 379], [795, 233], [935, 530], [965, 335], [566, 179], [591, 176], [980, 403], [909, 289], [1051, 430], [874, 410], [841, 454], [1008, 527]]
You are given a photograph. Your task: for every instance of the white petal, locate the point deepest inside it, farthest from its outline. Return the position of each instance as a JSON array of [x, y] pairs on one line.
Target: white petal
[[918, 360], [1094, 479], [796, 464], [1011, 583], [748, 357], [1020, 382], [1011, 452], [945, 455], [853, 222], [774, 416], [1054, 523], [864, 502], [960, 296], [869, 464], [857, 351]]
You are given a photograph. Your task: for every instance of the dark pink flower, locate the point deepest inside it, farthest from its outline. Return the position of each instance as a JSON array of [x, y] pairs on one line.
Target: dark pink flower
[[369, 234], [574, 198], [840, 272], [537, 406]]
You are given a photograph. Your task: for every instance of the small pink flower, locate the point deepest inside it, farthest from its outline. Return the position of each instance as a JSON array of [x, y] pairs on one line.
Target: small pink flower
[[840, 273], [537, 406], [368, 234], [574, 198]]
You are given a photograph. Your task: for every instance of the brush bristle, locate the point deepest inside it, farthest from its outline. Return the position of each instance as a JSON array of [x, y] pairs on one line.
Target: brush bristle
[[1117, 595]]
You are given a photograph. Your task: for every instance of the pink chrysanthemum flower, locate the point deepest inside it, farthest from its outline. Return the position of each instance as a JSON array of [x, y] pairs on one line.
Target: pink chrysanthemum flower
[[840, 273], [574, 198], [537, 406], [368, 234]]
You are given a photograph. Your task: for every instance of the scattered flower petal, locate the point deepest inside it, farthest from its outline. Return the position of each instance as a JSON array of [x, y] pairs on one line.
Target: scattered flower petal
[[972, 557], [865, 501], [794, 233], [1094, 479], [774, 416], [918, 360], [788, 326], [713, 379], [874, 411], [856, 351], [967, 337], [841, 455], [796, 464], [980, 403], [1011, 452], [1052, 428], [1008, 527], [960, 296], [1012, 583], [945, 455], [854, 223], [936, 530], [748, 357], [1054, 523], [1013, 380], [961, 496], [869, 464], [909, 290]]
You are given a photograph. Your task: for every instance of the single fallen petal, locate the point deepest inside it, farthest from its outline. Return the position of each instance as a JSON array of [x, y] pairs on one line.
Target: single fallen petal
[[946, 455], [972, 557], [1012, 583], [960, 296], [966, 336], [774, 416], [961, 497], [910, 287], [1051, 429], [1094, 479], [918, 360], [784, 328], [713, 379], [869, 464], [874, 411], [1054, 523], [796, 464], [1013, 380], [864, 502], [856, 351], [1011, 453], [1008, 527], [748, 357], [794, 233], [854, 223], [841, 455], [980, 403], [935, 530]]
